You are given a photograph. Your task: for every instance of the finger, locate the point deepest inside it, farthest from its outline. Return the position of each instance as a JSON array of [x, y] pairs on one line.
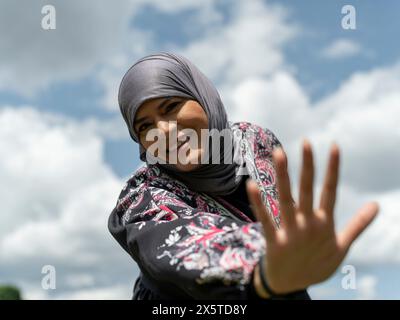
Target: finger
[[306, 180], [283, 186], [328, 195], [260, 210], [357, 225]]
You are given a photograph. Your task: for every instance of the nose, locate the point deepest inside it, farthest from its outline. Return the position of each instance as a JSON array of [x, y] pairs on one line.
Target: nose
[[167, 127]]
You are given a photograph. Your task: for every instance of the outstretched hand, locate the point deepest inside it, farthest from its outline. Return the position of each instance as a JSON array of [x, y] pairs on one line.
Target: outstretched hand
[[305, 250]]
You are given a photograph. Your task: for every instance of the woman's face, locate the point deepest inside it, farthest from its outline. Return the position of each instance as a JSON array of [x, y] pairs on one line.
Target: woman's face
[[180, 121]]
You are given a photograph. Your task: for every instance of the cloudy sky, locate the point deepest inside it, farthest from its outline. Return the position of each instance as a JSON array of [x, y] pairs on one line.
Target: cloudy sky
[[290, 67]]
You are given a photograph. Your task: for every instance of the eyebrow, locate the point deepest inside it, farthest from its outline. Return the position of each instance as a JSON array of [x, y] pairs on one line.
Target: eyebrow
[[140, 120]]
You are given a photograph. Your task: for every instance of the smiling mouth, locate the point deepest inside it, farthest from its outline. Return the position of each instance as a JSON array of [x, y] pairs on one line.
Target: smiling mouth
[[180, 144]]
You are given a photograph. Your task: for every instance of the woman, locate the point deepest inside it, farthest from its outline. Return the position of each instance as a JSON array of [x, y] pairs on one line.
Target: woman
[[203, 219]]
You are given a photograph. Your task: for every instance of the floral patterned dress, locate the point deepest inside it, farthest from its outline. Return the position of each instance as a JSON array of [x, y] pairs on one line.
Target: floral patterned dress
[[191, 245]]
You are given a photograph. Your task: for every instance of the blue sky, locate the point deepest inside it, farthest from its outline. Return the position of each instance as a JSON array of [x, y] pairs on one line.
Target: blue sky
[[278, 56]]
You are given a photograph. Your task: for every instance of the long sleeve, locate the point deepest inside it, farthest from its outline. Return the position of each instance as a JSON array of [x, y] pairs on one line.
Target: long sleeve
[[186, 245], [183, 250]]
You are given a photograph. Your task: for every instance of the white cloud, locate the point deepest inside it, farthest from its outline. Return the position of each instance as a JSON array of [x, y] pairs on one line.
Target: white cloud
[[178, 5], [110, 74], [321, 292], [366, 287], [57, 193], [87, 33], [81, 221], [118, 292], [277, 102], [381, 243], [80, 280], [362, 117], [55, 165], [341, 48], [65, 190], [89, 37], [252, 45], [113, 128], [46, 159]]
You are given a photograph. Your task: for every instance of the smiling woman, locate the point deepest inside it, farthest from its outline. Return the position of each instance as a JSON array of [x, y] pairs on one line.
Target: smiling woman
[[176, 115], [220, 229]]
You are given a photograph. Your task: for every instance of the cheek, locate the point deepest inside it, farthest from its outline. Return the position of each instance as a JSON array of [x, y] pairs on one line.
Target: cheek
[[145, 144], [192, 116]]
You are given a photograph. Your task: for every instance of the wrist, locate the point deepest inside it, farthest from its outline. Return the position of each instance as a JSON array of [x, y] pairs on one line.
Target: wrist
[[258, 284], [264, 282]]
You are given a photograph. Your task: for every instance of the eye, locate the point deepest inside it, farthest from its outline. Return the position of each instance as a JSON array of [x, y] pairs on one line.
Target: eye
[[171, 106], [143, 127]]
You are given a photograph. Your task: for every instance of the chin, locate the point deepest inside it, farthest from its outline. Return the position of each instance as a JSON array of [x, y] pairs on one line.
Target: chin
[[186, 167], [191, 165]]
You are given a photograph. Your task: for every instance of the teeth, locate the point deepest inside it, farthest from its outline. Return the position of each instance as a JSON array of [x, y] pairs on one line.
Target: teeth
[[187, 138]]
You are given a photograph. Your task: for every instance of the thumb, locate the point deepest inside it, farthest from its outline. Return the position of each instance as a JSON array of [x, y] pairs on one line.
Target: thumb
[[358, 224]]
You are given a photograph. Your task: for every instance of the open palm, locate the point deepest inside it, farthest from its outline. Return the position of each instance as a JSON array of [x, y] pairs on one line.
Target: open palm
[[305, 249]]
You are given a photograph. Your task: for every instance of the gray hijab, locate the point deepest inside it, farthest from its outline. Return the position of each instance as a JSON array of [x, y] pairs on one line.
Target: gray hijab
[[172, 75]]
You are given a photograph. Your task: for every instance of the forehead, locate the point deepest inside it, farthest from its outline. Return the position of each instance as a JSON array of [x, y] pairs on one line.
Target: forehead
[[149, 107]]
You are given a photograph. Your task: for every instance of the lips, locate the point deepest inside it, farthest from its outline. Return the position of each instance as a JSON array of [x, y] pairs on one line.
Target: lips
[[183, 142]]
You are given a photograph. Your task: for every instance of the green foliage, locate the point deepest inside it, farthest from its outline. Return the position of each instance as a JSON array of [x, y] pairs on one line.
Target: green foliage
[[9, 293]]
